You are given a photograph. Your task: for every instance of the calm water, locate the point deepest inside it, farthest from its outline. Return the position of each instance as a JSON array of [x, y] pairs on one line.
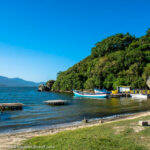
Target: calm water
[[36, 114]]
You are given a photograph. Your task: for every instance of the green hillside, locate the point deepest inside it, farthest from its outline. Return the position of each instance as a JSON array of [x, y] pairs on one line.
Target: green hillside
[[121, 59]]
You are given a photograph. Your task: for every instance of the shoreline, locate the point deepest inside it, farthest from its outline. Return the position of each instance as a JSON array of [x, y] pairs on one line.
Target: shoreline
[[10, 140]]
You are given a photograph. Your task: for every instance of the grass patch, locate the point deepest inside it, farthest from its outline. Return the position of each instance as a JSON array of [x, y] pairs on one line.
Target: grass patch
[[102, 137]]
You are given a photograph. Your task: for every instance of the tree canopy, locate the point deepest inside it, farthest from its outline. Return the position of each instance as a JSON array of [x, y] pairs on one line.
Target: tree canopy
[[121, 59]]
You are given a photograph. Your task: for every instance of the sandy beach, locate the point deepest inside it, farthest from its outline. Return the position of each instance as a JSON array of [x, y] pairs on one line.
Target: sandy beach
[[12, 140]]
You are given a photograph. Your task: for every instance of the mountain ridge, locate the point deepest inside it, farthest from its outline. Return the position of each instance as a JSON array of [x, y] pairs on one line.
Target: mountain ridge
[[17, 82]]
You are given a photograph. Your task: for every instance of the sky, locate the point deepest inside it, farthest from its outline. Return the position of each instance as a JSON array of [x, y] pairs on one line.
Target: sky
[[39, 38]]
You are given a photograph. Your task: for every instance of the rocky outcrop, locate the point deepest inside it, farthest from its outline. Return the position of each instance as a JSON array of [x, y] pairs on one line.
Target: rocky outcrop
[[41, 88], [148, 82], [47, 86]]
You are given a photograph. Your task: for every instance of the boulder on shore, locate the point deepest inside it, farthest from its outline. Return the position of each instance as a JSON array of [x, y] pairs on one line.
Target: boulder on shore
[[47, 86], [42, 87], [144, 123]]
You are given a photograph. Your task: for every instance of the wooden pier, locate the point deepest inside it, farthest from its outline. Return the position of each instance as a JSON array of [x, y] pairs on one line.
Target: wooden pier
[[120, 95], [10, 106], [56, 102]]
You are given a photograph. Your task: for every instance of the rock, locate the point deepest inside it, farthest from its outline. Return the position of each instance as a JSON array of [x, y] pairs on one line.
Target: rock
[[47, 86], [101, 121], [144, 123], [148, 82], [85, 120], [41, 87]]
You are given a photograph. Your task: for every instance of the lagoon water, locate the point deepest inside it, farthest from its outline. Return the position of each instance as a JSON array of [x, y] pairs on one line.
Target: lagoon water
[[37, 115]]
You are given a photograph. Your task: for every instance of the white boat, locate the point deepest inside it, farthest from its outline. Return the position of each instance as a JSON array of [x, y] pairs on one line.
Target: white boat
[[89, 95], [139, 96], [101, 91]]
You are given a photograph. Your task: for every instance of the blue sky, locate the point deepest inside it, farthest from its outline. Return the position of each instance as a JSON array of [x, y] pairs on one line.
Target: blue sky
[[38, 38]]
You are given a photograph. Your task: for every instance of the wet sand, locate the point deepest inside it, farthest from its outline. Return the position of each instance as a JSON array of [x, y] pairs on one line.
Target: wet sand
[[12, 140]]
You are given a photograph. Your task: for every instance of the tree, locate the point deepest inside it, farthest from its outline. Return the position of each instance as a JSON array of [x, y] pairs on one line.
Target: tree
[[59, 73], [108, 82], [49, 84], [89, 84], [118, 60], [111, 44], [148, 32]]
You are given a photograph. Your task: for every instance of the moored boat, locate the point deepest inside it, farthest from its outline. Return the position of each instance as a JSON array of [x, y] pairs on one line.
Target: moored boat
[[89, 95], [139, 96], [101, 91]]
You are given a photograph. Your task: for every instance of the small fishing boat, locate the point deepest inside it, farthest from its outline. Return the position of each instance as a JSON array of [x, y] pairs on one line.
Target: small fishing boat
[[89, 95], [139, 96], [103, 91]]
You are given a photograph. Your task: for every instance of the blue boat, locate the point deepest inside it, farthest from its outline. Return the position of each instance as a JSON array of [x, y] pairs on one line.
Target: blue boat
[[89, 95]]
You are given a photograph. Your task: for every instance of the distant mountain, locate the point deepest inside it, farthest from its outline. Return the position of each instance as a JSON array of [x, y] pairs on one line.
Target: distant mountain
[[16, 82]]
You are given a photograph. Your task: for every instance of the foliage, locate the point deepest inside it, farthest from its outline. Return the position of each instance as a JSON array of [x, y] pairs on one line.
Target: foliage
[[111, 44], [148, 32], [120, 59], [49, 84]]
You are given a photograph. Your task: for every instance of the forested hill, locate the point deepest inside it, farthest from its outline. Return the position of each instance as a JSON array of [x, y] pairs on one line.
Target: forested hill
[[121, 59]]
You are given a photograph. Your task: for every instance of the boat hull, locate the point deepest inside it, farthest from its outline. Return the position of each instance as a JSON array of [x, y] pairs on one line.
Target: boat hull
[[139, 96], [103, 91], [76, 94]]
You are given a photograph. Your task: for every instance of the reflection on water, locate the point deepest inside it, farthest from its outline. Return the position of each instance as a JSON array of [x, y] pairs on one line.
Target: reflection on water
[[37, 114]]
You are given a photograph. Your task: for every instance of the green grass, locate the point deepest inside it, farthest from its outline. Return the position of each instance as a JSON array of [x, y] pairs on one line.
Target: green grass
[[121, 135]]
